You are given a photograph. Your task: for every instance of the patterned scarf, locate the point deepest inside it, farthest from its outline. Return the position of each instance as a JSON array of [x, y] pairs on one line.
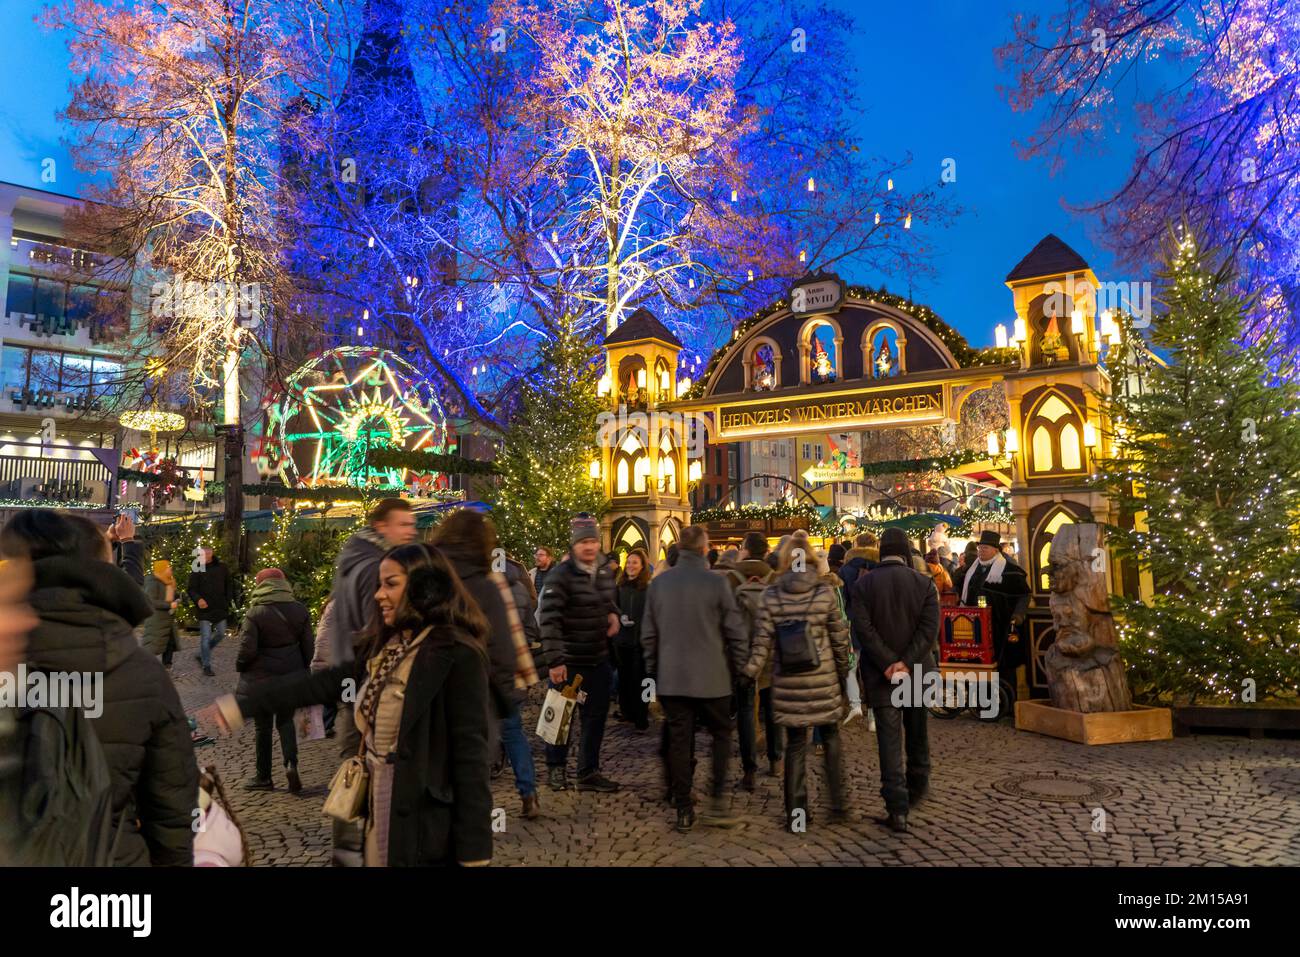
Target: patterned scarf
[[393, 654], [525, 669]]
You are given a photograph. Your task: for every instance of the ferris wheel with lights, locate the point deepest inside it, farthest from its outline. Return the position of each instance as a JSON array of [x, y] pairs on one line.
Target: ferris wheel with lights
[[342, 404]]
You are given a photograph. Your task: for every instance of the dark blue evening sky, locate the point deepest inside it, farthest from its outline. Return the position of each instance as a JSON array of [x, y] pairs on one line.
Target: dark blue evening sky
[[927, 85]]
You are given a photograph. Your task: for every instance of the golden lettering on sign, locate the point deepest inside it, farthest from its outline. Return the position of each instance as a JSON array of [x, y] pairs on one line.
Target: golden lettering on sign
[[878, 406]]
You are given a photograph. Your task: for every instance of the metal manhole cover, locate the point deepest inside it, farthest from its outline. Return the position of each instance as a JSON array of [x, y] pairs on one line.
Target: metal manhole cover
[[1056, 787]]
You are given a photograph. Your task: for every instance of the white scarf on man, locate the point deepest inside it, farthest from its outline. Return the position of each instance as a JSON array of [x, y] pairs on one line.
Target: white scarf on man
[[994, 576]]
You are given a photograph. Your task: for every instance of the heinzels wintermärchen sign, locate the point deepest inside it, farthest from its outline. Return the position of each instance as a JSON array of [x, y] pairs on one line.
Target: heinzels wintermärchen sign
[[921, 405]]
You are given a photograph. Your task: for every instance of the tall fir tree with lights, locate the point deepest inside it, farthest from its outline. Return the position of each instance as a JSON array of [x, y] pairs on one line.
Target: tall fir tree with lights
[[1207, 459], [548, 448]]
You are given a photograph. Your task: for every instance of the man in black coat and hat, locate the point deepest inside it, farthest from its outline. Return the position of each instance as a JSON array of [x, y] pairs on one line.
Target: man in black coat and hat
[[895, 617], [1005, 587]]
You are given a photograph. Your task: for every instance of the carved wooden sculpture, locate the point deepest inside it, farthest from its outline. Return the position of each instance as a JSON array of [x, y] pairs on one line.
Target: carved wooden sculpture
[[1084, 669]]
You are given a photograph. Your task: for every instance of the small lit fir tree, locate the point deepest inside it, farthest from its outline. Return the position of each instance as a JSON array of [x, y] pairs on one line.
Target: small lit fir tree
[[548, 448], [1210, 452], [305, 551]]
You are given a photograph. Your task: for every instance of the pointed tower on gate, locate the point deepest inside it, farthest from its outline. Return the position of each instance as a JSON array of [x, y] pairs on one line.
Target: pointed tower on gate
[[644, 460], [1056, 426]]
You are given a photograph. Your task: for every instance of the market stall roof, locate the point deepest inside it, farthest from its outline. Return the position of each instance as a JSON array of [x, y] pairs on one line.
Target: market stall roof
[[986, 472]]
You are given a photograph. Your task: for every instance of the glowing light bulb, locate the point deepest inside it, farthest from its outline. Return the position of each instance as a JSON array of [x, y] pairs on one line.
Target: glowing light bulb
[[733, 195], [1000, 335], [993, 445], [907, 223], [812, 185], [889, 184], [1012, 443]]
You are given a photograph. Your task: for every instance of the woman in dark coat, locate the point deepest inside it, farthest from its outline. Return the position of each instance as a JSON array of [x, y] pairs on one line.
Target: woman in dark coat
[[275, 639], [88, 610], [421, 691], [632, 585], [469, 540]]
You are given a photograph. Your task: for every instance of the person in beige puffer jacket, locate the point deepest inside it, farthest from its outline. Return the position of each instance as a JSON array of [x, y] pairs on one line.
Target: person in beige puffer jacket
[[812, 699]]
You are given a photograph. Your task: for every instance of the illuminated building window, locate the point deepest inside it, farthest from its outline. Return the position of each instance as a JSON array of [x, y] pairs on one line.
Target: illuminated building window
[[1055, 436]]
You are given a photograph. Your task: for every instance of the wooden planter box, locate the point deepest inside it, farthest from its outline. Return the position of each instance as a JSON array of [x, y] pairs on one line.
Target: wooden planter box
[[1102, 727], [1256, 721]]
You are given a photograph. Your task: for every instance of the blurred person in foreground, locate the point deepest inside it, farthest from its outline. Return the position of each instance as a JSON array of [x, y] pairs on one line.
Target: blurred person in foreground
[[88, 610]]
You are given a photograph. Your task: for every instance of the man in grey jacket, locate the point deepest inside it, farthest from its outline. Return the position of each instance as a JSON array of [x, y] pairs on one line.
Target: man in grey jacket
[[695, 647]]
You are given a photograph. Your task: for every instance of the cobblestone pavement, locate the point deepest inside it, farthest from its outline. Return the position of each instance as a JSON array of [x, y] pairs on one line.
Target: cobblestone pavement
[[1191, 801]]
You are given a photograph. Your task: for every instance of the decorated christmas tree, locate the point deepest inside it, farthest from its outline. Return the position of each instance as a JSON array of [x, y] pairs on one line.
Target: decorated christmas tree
[[1205, 472], [547, 454]]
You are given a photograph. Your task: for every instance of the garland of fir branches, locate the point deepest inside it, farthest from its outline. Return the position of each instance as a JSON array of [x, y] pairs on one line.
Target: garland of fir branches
[[420, 460], [332, 493], [777, 510], [937, 463]]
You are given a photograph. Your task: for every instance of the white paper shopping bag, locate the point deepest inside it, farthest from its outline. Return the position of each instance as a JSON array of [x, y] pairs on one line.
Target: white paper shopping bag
[[554, 722]]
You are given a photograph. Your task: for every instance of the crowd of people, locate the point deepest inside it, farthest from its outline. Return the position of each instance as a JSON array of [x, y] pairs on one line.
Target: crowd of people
[[422, 658]]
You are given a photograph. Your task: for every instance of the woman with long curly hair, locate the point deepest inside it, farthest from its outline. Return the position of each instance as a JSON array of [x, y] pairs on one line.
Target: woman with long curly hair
[[422, 710]]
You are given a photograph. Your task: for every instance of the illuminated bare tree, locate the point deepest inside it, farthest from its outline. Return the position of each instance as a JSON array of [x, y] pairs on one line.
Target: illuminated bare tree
[[178, 111]]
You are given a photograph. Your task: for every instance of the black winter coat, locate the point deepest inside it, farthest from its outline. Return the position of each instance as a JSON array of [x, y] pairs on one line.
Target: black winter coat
[[1007, 599], [895, 617], [129, 556], [274, 640], [575, 615], [87, 611], [631, 606], [442, 790], [215, 586], [486, 593]]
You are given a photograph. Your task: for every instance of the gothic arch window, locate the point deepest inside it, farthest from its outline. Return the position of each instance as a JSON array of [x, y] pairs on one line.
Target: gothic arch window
[[668, 533], [633, 384], [667, 464], [762, 365], [820, 346], [1052, 522], [631, 466], [883, 351], [1055, 432], [628, 537], [663, 381], [1050, 338]]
